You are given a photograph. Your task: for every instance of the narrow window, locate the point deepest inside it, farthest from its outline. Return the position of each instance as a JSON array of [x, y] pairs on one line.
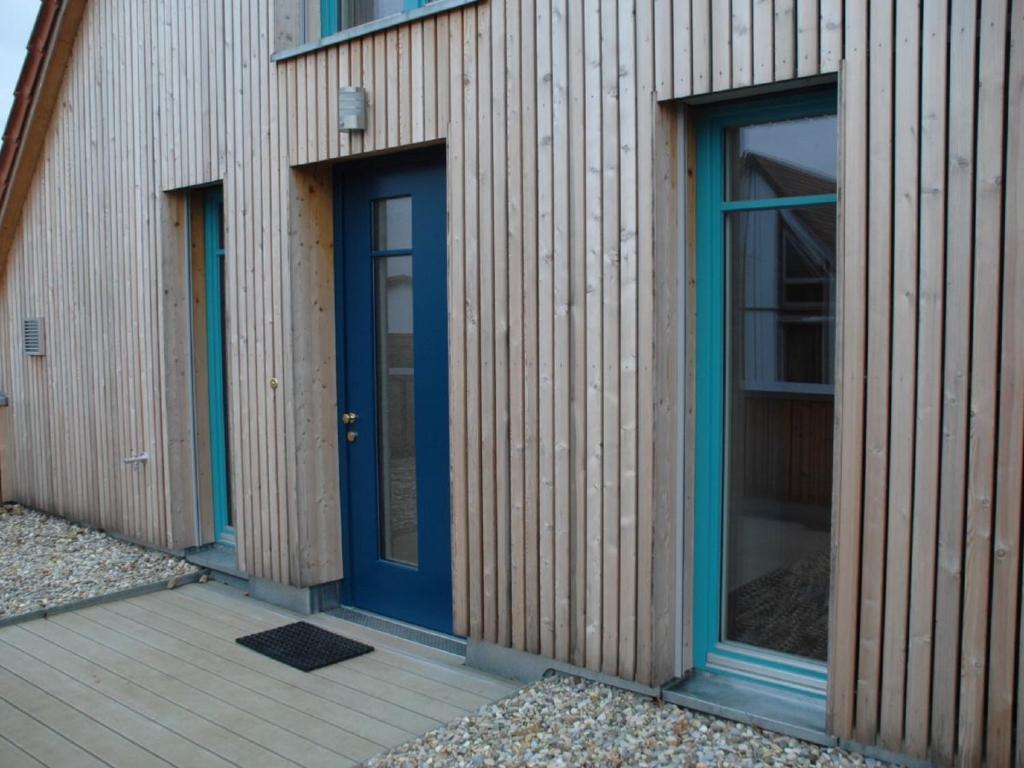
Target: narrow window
[[766, 269], [209, 365]]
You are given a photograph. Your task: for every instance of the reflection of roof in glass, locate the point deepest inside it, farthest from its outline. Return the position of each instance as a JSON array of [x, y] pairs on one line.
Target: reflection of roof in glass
[[788, 180]]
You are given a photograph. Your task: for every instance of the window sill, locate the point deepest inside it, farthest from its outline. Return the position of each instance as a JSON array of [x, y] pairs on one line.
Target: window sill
[[790, 713], [354, 33]]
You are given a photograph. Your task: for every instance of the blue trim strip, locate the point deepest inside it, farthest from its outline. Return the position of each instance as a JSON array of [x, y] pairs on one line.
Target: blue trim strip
[[711, 365]]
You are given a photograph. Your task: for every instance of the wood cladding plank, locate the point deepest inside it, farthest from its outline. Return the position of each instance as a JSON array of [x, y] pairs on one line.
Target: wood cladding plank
[[562, 350], [956, 372], [611, 241], [905, 272], [461, 567], [701, 43], [679, 48], [471, 331], [514, 169], [485, 300], [808, 29], [646, 197], [722, 28], [500, 183], [785, 39], [984, 381], [545, 329], [931, 259], [593, 205], [1005, 634], [851, 317], [626, 618], [877, 427], [742, 43], [577, 174], [531, 384]]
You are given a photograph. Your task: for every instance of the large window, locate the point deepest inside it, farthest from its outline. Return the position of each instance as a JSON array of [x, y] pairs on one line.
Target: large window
[[766, 268], [338, 15]]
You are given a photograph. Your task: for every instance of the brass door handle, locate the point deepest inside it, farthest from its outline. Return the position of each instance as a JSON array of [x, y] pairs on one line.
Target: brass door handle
[[352, 436], [349, 418]]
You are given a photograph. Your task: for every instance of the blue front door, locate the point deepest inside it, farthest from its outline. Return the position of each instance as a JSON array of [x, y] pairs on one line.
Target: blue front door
[[391, 282]]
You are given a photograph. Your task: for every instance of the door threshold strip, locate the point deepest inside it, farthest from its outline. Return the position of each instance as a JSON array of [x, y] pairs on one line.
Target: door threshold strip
[[436, 640]]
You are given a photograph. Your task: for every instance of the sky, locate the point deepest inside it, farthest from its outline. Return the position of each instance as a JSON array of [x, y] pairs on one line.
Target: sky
[[16, 20]]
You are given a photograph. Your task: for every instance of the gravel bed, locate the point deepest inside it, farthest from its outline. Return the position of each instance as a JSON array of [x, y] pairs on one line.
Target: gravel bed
[[47, 561], [566, 721]]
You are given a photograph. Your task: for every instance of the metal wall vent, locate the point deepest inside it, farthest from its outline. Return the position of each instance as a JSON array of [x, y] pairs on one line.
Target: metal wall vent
[[35, 337]]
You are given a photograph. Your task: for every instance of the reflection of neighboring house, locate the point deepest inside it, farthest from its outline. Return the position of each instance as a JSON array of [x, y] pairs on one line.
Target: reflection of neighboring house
[[789, 268]]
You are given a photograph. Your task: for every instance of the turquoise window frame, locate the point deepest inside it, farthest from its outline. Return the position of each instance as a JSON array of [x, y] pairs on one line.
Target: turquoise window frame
[[741, 660], [215, 375], [329, 15]]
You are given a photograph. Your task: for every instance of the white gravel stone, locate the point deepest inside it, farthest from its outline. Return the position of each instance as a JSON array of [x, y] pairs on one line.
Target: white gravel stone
[[46, 561], [566, 721]]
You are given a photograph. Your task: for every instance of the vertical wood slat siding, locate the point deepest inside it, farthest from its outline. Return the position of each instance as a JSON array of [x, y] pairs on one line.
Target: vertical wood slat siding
[[167, 99], [851, 343], [960, 176], [931, 260], [564, 607], [905, 272], [552, 269], [925, 478]]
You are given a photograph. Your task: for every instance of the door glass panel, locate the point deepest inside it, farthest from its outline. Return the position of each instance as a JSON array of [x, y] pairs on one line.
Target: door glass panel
[[392, 224], [780, 337], [396, 425], [789, 158]]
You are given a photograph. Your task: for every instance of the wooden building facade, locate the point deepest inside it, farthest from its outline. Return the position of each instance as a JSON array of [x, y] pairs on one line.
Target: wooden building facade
[[571, 138]]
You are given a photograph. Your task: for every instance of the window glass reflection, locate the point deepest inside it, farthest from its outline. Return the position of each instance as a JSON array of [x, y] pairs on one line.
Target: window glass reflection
[[396, 428], [779, 422], [790, 158], [392, 224], [352, 13]]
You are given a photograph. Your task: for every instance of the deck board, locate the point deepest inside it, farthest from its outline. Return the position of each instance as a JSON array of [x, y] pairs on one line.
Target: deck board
[[76, 726], [159, 680], [41, 742], [14, 756]]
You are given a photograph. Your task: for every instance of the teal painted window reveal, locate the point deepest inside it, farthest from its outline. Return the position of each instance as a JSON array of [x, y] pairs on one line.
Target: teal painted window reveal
[[213, 216], [339, 15], [713, 203]]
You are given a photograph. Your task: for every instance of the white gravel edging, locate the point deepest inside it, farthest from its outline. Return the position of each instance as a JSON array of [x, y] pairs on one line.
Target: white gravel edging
[[46, 561], [567, 721]]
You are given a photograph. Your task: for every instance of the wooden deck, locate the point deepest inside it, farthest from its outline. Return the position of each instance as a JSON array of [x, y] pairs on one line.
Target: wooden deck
[[159, 681]]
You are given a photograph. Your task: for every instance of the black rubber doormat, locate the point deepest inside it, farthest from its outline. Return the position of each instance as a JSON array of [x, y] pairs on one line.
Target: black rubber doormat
[[304, 646]]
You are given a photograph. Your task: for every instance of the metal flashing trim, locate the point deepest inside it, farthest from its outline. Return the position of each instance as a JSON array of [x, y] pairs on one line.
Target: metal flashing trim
[[143, 589], [436, 640], [788, 712], [527, 667]]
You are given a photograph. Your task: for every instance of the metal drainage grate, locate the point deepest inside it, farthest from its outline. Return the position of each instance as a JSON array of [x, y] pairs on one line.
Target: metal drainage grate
[[446, 643]]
